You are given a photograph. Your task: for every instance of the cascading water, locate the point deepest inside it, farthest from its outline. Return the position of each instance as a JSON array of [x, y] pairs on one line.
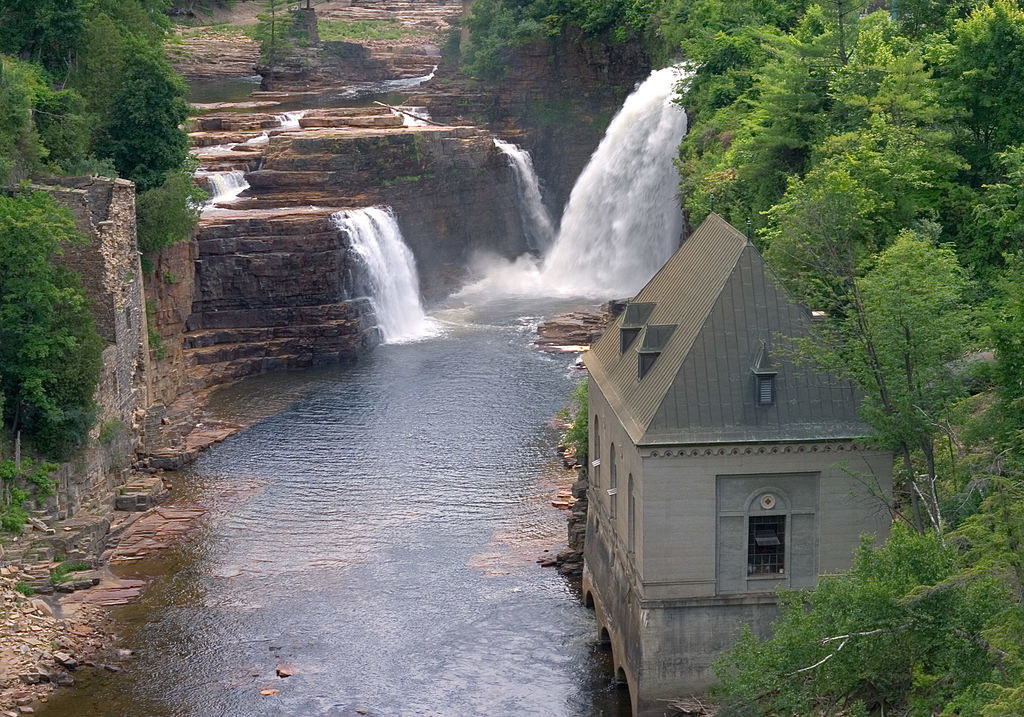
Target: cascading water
[[290, 120], [537, 225], [623, 218], [225, 186], [391, 272], [414, 116], [409, 82]]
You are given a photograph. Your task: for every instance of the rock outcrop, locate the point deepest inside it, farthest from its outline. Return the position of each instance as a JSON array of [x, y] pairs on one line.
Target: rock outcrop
[[555, 100], [275, 289]]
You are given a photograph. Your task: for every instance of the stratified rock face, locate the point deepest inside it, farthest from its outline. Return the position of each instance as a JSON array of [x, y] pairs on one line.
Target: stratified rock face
[[556, 101], [451, 188], [214, 53], [175, 408], [274, 289]]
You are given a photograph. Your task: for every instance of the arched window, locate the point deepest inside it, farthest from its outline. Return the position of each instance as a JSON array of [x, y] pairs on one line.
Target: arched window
[[613, 482], [596, 459], [631, 515], [766, 536]]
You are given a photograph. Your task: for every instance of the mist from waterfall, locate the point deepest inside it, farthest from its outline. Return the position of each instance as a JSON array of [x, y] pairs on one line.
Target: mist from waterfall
[[537, 224], [390, 271], [623, 219]]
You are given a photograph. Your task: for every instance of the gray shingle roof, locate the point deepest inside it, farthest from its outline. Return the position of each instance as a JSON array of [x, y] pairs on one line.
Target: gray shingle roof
[[717, 313]]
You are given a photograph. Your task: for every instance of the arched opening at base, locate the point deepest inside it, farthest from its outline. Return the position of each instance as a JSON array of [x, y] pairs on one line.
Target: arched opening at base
[[588, 599], [620, 679], [603, 638]]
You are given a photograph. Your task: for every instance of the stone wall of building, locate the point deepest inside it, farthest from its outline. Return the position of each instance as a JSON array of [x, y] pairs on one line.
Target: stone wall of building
[[104, 211]]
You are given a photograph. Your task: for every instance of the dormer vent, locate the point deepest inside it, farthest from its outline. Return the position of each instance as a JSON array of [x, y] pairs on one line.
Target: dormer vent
[[764, 377], [627, 336]]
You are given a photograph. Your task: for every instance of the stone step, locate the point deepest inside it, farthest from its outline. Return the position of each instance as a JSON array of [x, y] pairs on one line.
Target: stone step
[[141, 493]]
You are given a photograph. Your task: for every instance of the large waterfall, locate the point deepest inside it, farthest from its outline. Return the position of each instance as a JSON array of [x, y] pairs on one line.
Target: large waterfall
[[623, 218], [391, 272], [537, 224]]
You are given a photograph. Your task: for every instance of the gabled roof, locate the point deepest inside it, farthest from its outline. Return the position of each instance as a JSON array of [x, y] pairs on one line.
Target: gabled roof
[[716, 317]]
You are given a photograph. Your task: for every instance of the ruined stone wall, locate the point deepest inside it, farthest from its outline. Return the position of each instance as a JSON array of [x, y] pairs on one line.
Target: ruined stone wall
[[104, 212]]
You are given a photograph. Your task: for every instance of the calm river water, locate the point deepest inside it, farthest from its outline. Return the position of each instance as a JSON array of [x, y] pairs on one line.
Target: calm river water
[[379, 533]]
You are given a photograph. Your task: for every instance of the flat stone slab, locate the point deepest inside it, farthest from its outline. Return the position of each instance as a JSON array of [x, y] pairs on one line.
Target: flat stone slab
[[110, 591], [156, 530]]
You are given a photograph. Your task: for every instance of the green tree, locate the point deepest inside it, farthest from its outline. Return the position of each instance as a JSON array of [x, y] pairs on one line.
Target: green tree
[[903, 326], [577, 415], [274, 32], [21, 151], [49, 32], [145, 134], [1007, 334], [984, 51], [996, 226], [50, 353], [910, 629], [168, 212]]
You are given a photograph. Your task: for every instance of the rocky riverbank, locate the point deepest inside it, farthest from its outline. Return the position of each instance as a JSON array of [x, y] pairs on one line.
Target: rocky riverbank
[[43, 643]]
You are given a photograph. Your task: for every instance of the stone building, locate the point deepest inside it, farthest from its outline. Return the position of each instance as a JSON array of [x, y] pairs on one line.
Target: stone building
[[720, 470]]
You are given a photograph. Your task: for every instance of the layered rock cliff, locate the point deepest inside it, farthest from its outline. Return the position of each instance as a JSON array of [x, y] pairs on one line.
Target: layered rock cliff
[[555, 100], [274, 289], [451, 188]]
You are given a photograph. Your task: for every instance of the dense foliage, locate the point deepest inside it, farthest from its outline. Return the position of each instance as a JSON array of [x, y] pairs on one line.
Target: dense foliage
[[85, 87], [577, 417], [49, 348], [874, 149]]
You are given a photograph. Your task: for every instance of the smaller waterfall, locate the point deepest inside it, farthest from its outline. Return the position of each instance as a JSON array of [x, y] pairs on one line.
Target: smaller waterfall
[[407, 82], [537, 224], [422, 115], [290, 120], [391, 271], [225, 186]]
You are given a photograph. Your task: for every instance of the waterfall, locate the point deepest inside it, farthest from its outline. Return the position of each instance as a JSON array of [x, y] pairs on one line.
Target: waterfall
[[391, 272], [420, 120], [290, 120], [225, 186], [537, 223], [409, 82], [623, 219]]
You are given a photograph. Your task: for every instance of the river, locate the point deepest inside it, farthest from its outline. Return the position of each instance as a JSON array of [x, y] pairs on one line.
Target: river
[[379, 534]]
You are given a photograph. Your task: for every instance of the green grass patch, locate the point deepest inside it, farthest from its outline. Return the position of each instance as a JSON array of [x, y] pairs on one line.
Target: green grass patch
[[344, 30], [60, 574], [25, 589]]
